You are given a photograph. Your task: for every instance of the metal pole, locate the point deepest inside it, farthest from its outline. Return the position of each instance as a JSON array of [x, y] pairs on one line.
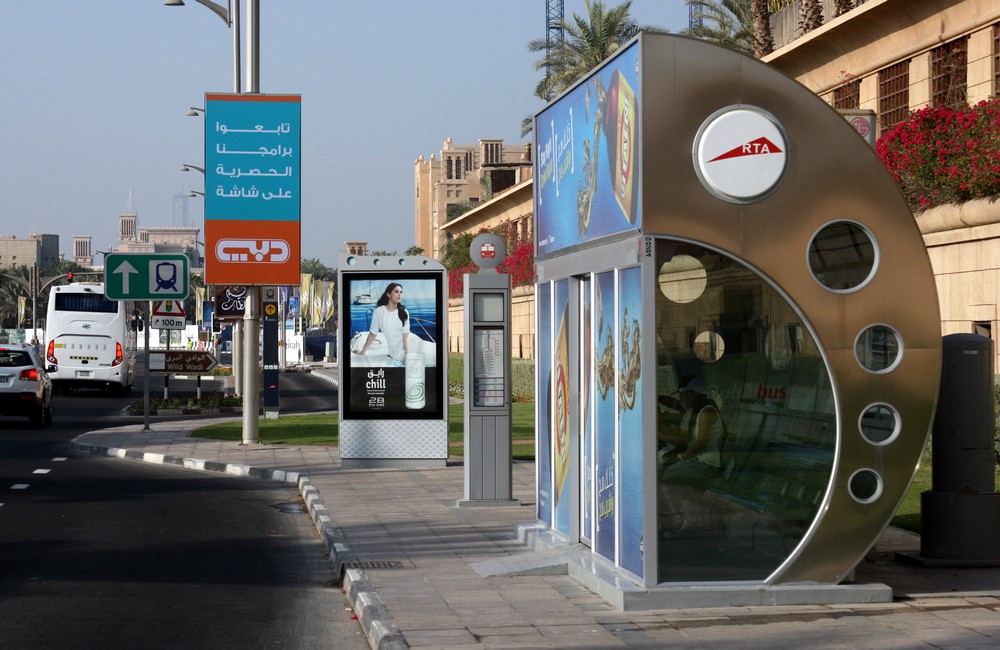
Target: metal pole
[[145, 373], [251, 368], [253, 46], [34, 302], [234, 24]]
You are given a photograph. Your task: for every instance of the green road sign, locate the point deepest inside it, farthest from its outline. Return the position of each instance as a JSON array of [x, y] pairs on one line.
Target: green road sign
[[145, 276]]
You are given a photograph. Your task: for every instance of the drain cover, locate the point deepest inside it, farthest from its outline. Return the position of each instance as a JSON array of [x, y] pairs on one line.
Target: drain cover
[[375, 564], [292, 507]]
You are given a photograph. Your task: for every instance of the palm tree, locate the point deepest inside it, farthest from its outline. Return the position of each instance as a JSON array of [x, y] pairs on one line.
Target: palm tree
[[742, 25], [9, 292], [730, 23], [841, 7], [318, 270], [811, 16], [588, 41]]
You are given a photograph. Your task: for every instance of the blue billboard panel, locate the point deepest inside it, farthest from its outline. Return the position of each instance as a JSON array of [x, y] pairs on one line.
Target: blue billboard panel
[[253, 157], [586, 159]]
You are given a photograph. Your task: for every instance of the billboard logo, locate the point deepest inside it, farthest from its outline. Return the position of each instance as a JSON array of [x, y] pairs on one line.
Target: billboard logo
[[255, 251], [750, 171], [757, 147]]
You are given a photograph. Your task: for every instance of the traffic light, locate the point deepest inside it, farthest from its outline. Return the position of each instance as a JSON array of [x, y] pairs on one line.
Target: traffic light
[[69, 278]]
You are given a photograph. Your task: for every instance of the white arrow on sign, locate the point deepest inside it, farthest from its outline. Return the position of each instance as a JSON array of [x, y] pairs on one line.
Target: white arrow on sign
[[125, 269]]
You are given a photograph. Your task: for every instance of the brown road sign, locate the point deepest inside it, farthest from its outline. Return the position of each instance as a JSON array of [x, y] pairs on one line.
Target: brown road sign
[[182, 361]]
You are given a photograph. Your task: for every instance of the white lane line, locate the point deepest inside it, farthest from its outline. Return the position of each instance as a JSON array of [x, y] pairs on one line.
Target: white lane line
[[41, 471], [19, 486], [60, 459]]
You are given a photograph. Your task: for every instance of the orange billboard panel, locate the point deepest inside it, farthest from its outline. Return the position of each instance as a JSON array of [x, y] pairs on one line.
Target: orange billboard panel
[[252, 252]]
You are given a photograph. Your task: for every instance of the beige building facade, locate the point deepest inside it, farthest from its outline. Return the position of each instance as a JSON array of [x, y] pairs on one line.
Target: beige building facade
[[515, 206], [462, 173], [895, 56], [157, 239], [35, 250]]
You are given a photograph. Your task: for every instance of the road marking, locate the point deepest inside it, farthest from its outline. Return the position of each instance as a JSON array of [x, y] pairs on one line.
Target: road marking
[[59, 459], [41, 471], [19, 486]]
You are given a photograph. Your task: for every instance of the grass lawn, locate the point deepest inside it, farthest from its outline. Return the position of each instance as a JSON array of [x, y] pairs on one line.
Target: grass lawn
[[321, 429]]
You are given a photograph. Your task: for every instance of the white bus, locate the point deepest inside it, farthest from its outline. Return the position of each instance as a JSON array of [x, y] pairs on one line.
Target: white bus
[[92, 340]]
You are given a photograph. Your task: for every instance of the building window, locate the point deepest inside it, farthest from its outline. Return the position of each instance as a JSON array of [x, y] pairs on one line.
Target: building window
[[996, 59], [949, 86], [458, 169], [449, 174], [894, 94], [848, 96]]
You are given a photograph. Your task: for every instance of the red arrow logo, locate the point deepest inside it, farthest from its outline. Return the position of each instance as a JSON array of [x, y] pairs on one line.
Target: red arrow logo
[[756, 147]]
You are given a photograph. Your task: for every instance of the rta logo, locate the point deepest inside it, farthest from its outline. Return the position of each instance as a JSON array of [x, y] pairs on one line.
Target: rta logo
[[757, 147]]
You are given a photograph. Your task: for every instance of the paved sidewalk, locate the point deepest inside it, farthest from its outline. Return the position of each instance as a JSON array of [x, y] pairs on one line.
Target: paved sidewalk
[[410, 560]]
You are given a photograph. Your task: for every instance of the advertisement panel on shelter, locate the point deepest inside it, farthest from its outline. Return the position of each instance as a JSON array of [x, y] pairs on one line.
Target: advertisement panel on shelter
[[605, 412], [390, 351], [587, 158], [543, 427], [252, 188], [630, 418]]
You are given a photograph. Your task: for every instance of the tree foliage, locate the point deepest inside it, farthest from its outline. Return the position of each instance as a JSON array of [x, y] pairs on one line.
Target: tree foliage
[[587, 42], [519, 262]]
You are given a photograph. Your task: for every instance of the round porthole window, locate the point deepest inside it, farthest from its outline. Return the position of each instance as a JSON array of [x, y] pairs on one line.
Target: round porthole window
[[682, 279], [709, 347], [843, 256], [879, 424], [865, 486], [878, 349]]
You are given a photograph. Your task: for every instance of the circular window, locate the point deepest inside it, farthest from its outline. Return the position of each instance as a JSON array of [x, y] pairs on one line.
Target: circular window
[[878, 349], [842, 256], [865, 486], [709, 347], [683, 279], [879, 424]]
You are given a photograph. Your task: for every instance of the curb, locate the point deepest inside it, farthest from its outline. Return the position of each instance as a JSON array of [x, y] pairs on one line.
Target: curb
[[377, 625]]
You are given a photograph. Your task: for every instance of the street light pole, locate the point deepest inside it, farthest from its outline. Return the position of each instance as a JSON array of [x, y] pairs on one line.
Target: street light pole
[[251, 318], [231, 16]]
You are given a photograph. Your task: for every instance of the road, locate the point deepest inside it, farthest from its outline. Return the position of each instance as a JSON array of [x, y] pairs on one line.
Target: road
[[106, 553]]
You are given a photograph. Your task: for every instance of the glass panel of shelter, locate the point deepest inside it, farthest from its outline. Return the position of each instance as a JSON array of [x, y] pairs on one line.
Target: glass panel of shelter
[[746, 425]]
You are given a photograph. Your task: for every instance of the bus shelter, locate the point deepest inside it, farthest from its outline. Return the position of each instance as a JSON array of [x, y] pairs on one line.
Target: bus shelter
[[739, 343]]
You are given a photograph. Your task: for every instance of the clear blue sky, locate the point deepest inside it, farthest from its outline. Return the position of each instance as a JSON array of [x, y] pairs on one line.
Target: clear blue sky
[[93, 95]]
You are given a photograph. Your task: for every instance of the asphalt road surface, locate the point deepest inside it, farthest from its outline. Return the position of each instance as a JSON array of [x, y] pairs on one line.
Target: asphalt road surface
[[107, 553]]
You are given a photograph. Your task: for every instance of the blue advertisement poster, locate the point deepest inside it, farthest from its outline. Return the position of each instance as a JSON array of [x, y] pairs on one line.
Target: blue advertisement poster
[[561, 453], [605, 412], [543, 434], [586, 159], [389, 347], [630, 419]]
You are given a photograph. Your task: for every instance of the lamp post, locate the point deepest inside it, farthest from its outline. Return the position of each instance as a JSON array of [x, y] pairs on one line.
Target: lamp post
[[251, 318], [231, 16]]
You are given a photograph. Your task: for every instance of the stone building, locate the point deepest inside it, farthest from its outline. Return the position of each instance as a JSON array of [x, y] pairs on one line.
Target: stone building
[[896, 56], [157, 239], [35, 250], [462, 173]]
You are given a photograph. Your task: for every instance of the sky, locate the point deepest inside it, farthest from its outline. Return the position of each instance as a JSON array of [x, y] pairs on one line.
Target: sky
[[93, 96]]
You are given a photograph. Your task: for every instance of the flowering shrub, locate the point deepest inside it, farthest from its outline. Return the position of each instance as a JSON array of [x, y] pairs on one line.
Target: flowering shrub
[[945, 155], [519, 263]]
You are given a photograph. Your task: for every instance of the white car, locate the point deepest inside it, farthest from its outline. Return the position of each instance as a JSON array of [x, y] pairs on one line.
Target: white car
[[25, 387]]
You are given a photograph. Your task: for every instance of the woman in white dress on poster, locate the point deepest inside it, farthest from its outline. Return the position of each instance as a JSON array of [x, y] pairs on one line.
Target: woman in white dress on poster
[[391, 319]]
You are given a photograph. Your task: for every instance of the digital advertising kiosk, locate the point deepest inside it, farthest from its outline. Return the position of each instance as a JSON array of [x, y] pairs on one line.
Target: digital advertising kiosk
[[392, 362], [739, 344]]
